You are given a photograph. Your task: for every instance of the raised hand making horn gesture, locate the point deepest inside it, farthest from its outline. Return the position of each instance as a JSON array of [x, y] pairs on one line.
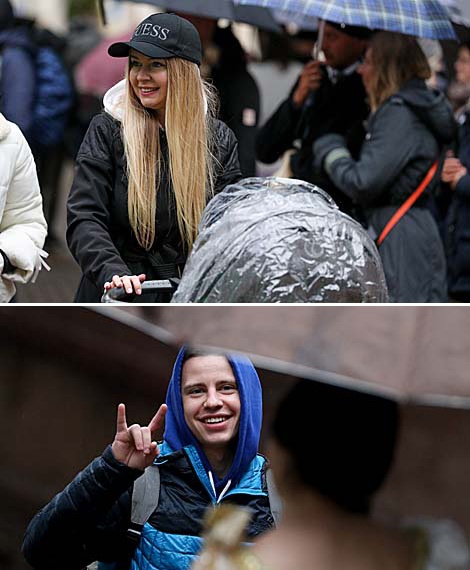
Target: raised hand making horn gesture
[[133, 445]]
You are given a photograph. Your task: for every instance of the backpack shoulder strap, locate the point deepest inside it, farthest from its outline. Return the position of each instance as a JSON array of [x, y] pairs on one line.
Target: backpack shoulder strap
[[275, 501], [145, 496]]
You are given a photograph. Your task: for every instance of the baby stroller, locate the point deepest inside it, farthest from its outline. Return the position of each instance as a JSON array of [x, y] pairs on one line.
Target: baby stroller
[[277, 240]]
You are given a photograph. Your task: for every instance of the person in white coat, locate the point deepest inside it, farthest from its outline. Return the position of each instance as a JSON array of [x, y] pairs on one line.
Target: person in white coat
[[23, 228]]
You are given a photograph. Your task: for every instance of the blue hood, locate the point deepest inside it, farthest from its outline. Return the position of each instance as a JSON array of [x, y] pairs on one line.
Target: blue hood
[[177, 433]]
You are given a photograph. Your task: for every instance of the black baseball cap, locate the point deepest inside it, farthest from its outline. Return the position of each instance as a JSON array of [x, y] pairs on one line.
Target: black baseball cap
[[162, 36]]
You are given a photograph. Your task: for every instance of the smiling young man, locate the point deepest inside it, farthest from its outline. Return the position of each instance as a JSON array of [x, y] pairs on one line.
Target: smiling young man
[[209, 455]]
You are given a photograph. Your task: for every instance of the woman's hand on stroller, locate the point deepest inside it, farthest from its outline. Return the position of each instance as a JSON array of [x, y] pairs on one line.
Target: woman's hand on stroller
[[131, 283], [133, 445]]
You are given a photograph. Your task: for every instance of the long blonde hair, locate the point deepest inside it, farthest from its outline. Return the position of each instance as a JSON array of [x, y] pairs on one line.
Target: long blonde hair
[[397, 58], [190, 105]]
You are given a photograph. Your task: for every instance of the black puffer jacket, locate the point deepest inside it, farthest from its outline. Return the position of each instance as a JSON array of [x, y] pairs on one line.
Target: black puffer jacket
[[99, 234]]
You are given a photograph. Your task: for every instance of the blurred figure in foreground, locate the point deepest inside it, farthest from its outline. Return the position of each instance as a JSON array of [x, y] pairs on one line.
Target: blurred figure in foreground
[[407, 130], [23, 227], [457, 178], [325, 524]]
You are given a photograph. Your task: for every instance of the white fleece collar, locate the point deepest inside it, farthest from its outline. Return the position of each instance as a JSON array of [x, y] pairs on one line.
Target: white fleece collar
[[113, 100], [5, 127]]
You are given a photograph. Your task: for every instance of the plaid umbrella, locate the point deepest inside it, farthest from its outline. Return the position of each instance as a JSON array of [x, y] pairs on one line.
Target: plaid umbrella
[[421, 18]]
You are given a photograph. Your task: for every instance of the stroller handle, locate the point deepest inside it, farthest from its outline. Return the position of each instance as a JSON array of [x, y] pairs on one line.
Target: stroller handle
[[119, 295]]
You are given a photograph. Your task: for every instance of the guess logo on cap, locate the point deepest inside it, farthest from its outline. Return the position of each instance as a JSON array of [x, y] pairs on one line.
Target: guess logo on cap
[[152, 30]]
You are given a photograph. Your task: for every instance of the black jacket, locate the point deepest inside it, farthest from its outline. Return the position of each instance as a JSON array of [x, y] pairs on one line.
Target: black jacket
[[457, 223], [99, 234], [334, 108], [239, 96]]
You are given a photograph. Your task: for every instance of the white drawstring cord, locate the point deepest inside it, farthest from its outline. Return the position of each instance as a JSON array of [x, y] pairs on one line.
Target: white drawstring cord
[[211, 479], [224, 490]]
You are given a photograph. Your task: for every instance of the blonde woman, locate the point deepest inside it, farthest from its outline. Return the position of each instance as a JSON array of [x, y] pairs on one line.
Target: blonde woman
[[407, 129], [148, 164]]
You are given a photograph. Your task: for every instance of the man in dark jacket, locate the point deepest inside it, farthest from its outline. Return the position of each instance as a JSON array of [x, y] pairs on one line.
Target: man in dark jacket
[[209, 456], [328, 97]]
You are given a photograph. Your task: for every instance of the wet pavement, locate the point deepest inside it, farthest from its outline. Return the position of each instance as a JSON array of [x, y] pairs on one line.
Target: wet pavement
[[57, 285]]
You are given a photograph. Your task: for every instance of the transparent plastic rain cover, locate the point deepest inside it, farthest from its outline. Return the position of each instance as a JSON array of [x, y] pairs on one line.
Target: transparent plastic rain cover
[[278, 240]]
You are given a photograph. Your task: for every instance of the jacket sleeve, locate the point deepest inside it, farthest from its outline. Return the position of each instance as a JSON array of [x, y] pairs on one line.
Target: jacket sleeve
[[463, 187], [23, 227], [89, 203], [18, 88], [87, 521], [228, 166], [384, 154], [278, 133]]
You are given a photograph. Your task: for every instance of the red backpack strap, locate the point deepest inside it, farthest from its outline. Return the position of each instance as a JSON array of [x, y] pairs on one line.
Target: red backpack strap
[[407, 204]]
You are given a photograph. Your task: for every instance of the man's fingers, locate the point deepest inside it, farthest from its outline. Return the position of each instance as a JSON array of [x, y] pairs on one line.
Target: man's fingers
[[157, 421], [136, 433], [121, 422], [146, 439]]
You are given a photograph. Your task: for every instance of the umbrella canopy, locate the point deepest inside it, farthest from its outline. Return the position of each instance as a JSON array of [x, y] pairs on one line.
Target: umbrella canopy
[[459, 11], [420, 354], [254, 15], [421, 18]]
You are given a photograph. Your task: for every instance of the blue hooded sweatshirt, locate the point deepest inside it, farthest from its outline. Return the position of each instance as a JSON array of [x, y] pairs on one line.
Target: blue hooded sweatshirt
[[177, 433]]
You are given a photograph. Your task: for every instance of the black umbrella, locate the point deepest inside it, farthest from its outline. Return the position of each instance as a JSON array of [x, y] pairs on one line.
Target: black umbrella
[[226, 9]]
